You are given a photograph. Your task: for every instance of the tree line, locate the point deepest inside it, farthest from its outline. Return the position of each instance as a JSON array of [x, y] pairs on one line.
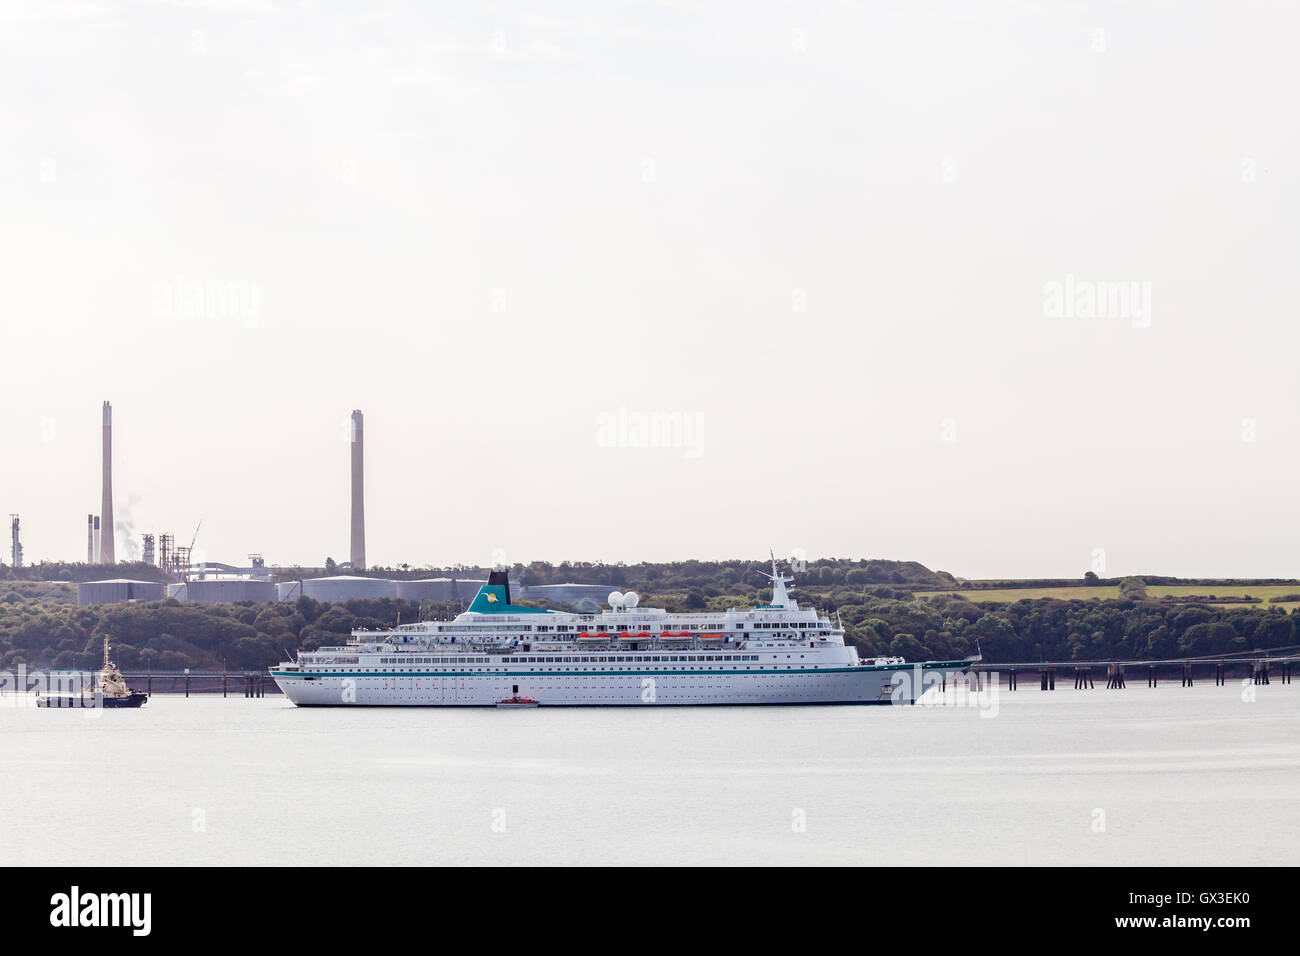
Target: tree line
[[880, 620]]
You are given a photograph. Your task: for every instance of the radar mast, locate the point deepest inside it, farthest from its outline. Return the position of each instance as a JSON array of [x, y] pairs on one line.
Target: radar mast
[[780, 597]]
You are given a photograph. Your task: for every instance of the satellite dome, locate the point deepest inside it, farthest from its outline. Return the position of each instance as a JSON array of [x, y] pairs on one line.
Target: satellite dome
[[631, 598], [615, 598]]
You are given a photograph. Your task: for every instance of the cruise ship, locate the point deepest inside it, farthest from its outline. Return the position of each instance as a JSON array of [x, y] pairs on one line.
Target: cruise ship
[[496, 652]]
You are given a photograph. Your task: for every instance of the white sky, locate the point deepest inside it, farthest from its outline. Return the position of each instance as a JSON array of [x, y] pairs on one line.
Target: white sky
[[487, 225]]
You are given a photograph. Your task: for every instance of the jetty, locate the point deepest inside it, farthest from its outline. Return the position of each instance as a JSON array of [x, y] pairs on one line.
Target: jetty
[[1256, 668]]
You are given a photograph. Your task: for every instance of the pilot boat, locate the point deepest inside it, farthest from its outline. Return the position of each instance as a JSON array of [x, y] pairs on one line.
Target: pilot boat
[[108, 690]]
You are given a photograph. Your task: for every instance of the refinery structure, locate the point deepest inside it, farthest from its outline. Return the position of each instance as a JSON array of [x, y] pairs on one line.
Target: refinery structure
[[181, 577]]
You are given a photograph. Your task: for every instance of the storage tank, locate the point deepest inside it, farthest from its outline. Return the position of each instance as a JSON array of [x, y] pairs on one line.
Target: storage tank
[[343, 587], [438, 589], [114, 590], [571, 594], [227, 590]]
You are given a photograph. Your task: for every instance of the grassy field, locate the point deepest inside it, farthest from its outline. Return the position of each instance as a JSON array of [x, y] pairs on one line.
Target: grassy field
[[1267, 592]]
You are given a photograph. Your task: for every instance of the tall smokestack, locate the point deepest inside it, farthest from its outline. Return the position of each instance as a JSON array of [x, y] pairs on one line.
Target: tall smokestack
[[106, 506], [95, 548], [90, 539], [358, 494]]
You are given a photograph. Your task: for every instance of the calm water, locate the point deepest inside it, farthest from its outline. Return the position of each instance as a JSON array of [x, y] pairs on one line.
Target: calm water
[[1183, 776]]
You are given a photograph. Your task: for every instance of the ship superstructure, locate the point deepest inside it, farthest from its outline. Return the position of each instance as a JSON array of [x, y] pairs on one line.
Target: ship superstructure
[[775, 653]]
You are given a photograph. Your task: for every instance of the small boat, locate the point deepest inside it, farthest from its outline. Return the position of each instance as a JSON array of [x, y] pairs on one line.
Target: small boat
[[510, 702], [109, 690]]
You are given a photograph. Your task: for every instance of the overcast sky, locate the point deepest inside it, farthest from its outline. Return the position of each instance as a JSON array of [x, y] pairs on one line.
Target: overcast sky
[[1005, 288]]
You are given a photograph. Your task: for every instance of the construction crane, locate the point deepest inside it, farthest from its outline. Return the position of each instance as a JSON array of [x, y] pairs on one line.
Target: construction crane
[[190, 550]]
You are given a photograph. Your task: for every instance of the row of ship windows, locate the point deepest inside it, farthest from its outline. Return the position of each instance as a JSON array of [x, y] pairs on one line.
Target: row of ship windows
[[606, 659], [648, 625], [562, 628], [775, 625]]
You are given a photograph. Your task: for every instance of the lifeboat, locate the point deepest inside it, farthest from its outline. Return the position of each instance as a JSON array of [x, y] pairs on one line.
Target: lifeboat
[[508, 703], [711, 637], [594, 636]]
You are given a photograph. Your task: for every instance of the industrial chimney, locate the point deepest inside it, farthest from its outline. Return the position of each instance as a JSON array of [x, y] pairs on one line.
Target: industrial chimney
[[358, 495], [95, 534], [90, 539], [106, 507]]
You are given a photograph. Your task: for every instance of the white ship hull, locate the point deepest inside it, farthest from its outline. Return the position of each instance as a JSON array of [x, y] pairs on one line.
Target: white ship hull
[[854, 685], [629, 656]]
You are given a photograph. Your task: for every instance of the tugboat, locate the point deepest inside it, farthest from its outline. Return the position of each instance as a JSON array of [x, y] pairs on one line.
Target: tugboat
[[109, 690], [517, 701]]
